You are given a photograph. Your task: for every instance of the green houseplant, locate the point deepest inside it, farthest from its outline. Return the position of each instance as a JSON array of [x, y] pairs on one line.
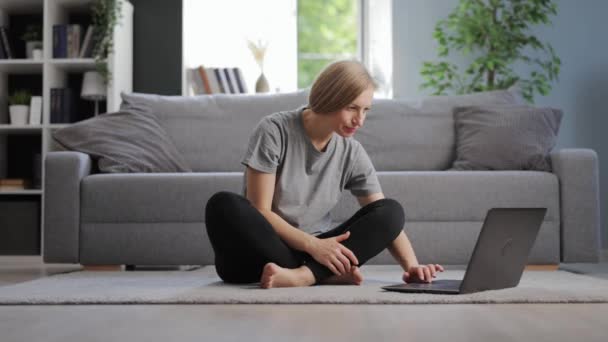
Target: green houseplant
[[106, 15], [19, 106], [496, 33]]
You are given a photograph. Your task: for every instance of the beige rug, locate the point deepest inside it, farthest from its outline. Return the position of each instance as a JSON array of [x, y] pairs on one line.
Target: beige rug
[[203, 286]]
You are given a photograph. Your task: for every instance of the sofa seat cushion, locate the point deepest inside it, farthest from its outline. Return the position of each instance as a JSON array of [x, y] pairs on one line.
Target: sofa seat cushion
[[445, 210], [425, 196], [152, 197], [461, 195]]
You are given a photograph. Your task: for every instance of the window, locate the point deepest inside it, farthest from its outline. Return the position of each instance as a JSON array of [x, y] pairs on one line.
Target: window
[[302, 36]]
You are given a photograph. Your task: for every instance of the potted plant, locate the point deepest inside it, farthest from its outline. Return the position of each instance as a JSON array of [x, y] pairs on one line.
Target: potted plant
[[497, 33], [19, 107], [105, 15], [33, 41]]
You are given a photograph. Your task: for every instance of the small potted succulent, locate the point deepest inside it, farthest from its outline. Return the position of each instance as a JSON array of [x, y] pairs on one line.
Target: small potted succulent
[[19, 107], [33, 41]]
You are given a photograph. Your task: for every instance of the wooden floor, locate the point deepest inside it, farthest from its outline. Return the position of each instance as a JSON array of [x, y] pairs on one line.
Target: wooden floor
[[311, 322]]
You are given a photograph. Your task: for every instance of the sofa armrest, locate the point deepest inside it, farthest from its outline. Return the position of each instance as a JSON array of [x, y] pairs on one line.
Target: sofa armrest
[[578, 173], [63, 172]]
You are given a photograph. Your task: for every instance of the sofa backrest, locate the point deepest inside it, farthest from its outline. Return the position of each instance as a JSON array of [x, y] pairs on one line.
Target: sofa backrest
[[401, 135], [212, 131]]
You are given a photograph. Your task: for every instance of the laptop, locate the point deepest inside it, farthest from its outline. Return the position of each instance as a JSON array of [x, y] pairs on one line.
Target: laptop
[[499, 257]]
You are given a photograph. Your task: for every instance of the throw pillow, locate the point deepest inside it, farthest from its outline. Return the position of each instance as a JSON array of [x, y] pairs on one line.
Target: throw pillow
[[123, 142], [505, 137]]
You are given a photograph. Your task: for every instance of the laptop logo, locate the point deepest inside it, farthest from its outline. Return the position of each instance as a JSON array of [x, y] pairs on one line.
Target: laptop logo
[[503, 250]]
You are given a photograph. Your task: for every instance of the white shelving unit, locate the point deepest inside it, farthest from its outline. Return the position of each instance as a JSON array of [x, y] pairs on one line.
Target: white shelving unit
[[54, 73]]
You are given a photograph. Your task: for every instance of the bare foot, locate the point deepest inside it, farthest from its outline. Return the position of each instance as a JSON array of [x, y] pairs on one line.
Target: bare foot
[[354, 277], [277, 276]]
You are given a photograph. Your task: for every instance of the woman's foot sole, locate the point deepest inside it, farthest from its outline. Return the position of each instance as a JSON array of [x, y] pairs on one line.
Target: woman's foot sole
[[274, 275]]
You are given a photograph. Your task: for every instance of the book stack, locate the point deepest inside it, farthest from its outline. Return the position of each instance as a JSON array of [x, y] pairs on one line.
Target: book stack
[[69, 42], [35, 117], [6, 50], [14, 183], [62, 105], [218, 80]]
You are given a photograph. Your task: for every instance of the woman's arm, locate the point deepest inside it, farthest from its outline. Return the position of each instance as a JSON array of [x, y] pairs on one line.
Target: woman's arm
[[260, 189], [400, 248], [329, 252], [402, 251]]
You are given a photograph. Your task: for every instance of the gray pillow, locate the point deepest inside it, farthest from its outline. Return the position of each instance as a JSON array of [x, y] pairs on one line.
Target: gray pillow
[[123, 142], [505, 137]]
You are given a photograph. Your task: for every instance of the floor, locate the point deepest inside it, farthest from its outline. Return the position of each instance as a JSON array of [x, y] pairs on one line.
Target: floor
[[456, 322]]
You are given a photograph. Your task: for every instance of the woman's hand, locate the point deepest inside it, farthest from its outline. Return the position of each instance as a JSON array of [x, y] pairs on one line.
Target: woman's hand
[[421, 273], [332, 254]]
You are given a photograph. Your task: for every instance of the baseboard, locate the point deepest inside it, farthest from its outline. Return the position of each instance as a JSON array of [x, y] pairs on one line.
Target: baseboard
[[102, 267], [542, 267]]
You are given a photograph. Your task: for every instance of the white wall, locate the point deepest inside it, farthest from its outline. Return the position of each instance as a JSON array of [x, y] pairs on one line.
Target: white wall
[[215, 34]]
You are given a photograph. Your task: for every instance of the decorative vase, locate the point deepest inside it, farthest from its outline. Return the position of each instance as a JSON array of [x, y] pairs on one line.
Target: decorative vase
[[261, 86], [30, 46], [19, 114]]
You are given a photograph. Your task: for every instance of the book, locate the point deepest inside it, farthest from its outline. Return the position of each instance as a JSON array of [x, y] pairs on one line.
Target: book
[[6, 42], [220, 79], [35, 110], [66, 106], [13, 181], [213, 81], [60, 41], [233, 80], [87, 41], [195, 81], [228, 80], [2, 50], [205, 79], [73, 39], [11, 187], [55, 109], [240, 81]]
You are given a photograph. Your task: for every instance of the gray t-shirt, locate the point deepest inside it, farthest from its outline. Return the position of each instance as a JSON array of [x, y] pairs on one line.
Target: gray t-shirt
[[308, 182]]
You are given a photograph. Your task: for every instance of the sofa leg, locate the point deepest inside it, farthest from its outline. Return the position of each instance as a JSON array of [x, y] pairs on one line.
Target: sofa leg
[[542, 267], [102, 267]]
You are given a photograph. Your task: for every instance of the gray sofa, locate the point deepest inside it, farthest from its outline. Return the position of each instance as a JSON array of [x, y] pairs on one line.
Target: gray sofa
[[94, 218]]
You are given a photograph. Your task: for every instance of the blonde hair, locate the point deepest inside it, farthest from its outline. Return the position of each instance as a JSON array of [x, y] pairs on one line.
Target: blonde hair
[[338, 85]]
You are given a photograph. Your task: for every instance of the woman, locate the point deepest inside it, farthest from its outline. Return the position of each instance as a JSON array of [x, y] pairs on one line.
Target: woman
[[297, 163]]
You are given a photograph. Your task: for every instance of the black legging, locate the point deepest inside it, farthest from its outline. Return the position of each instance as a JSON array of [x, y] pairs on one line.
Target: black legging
[[244, 241]]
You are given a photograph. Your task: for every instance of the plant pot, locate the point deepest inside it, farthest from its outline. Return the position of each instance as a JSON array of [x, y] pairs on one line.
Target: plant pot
[[37, 53], [19, 114], [30, 46], [261, 86]]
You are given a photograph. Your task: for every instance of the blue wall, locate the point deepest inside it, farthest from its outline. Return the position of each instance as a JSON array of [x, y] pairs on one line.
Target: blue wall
[[579, 36]]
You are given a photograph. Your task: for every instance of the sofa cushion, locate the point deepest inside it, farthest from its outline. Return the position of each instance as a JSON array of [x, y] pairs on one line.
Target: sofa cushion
[[401, 134], [212, 131], [444, 212], [461, 195], [505, 137], [425, 196], [123, 142]]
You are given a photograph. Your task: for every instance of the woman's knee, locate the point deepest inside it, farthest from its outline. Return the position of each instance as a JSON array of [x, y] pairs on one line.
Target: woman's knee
[[219, 203], [393, 214]]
